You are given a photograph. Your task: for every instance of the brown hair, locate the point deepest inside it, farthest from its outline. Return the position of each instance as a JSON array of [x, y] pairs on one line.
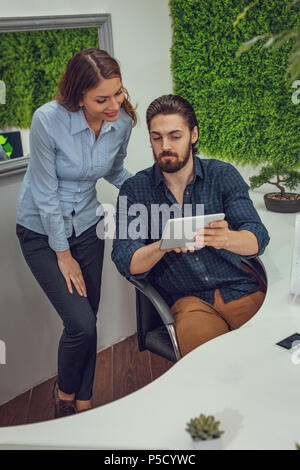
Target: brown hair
[[83, 72], [173, 104]]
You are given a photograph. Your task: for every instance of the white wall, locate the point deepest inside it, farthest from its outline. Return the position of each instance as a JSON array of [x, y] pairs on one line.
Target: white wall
[[28, 324]]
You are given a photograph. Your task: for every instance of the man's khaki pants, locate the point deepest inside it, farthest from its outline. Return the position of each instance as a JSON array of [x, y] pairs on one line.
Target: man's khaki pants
[[197, 321]]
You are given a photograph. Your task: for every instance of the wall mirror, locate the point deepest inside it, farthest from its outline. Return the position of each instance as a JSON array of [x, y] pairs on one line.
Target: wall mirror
[[33, 54]]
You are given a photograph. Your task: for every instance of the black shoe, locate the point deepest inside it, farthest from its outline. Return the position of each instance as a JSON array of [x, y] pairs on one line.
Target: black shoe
[[63, 407]]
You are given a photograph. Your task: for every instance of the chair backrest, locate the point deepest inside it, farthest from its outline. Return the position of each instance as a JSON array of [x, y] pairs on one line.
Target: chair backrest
[[147, 318], [256, 268]]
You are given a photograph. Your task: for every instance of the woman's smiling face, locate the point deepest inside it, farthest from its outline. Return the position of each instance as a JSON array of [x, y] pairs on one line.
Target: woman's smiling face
[[103, 102]]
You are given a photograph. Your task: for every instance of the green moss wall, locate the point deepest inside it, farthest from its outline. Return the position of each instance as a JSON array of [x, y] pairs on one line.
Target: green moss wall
[[31, 63], [244, 105]]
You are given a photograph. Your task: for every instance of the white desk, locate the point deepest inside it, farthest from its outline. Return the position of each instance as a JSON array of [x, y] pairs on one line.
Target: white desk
[[249, 384]]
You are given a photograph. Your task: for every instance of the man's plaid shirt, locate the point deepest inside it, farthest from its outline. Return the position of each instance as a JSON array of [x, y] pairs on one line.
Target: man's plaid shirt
[[220, 188]]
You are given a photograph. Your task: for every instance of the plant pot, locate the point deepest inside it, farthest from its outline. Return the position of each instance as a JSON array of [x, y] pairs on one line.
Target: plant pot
[[274, 203], [211, 444]]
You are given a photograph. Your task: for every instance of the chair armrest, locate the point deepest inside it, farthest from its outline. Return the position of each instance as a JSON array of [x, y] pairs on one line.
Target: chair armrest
[[257, 266], [155, 298]]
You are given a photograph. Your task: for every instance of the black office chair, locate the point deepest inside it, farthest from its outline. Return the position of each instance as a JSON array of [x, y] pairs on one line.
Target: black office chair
[[155, 321]]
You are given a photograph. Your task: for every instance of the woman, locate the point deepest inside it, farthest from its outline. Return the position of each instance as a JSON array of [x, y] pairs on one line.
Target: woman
[[75, 140]]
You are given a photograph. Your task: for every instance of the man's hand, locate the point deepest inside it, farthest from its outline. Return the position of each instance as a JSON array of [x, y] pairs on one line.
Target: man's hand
[[183, 249], [217, 235]]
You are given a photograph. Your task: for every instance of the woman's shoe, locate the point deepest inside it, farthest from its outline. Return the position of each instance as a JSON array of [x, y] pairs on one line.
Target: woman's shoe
[[63, 407]]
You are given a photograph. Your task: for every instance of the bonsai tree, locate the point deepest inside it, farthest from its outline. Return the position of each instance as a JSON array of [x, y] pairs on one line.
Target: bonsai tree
[[283, 174], [204, 428]]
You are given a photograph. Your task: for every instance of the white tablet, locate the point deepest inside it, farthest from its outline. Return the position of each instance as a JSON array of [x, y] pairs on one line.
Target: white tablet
[[180, 232]]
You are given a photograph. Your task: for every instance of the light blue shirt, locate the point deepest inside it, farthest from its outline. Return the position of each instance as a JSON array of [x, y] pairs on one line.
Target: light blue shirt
[[58, 191]]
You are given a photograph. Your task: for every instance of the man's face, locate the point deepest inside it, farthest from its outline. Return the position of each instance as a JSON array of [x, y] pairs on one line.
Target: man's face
[[171, 141]]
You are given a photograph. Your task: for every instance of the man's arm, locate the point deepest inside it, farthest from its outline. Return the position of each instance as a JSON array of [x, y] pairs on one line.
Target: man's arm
[[132, 255], [148, 256], [145, 258], [218, 235], [243, 231]]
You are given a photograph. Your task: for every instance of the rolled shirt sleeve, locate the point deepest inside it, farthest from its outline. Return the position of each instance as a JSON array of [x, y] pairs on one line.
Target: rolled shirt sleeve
[[240, 211], [44, 183]]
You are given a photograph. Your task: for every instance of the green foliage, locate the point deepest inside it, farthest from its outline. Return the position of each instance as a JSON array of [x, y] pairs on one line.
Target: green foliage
[[243, 105], [297, 446], [274, 41], [283, 174], [31, 63], [204, 428]]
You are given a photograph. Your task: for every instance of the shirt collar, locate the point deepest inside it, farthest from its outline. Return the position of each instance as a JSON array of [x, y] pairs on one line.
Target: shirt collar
[[79, 123], [198, 172]]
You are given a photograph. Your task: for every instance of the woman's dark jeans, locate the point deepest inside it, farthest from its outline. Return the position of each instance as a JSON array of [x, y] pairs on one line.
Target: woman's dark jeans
[[78, 344]]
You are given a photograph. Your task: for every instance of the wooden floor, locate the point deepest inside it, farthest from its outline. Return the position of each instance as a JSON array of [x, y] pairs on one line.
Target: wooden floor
[[120, 370]]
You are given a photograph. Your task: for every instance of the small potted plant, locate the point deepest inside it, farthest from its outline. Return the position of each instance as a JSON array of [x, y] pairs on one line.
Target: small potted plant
[[280, 201], [205, 433]]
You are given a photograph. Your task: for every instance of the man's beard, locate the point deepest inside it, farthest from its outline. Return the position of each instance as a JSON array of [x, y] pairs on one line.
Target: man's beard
[[170, 166]]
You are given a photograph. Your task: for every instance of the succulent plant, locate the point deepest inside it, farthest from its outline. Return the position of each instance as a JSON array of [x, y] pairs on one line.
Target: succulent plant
[[204, 428]]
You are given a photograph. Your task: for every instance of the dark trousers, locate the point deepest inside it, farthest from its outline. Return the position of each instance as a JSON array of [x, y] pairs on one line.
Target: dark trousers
[[78, 343]]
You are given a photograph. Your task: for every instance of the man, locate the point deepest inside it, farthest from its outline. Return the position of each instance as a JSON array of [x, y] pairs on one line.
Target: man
[[207, 289]]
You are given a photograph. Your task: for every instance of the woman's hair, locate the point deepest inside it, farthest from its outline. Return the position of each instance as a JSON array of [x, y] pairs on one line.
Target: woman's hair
[[173, 104], [83, 72]]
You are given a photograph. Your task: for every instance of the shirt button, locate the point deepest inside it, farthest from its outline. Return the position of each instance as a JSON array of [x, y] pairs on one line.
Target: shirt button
[[187, 193], [79, 190], [206, 278], [197, 259]]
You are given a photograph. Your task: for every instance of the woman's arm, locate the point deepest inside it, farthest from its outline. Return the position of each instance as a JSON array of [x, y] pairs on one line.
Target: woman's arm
[[118, 174], [44, 188], [44, 182]]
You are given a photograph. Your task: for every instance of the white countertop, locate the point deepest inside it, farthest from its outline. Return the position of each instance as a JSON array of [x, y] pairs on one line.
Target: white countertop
[[242, 378]]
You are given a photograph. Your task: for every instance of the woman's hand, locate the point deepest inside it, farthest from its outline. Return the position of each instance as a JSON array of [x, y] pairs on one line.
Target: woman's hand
[[71, 271]]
